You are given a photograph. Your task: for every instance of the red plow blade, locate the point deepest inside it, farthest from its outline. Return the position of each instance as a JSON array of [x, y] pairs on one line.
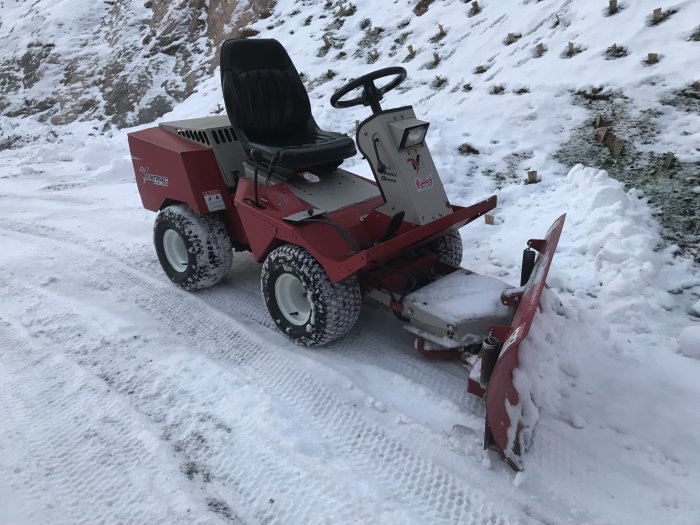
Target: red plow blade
[[501, 395]]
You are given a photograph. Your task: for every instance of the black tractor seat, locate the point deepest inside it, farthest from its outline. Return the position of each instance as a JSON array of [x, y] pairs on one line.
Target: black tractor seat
[[270, 111], [317, 148]]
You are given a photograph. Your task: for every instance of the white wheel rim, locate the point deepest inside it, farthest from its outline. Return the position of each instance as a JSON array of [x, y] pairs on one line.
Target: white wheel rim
[[292, 299], [175, 250]]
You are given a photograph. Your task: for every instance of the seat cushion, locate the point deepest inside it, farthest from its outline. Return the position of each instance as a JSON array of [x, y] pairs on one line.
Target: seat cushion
[[263, 93], [316, 148], [269, 108]]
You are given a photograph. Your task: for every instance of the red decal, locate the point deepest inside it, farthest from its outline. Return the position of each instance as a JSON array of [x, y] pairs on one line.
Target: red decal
[[424, 184]]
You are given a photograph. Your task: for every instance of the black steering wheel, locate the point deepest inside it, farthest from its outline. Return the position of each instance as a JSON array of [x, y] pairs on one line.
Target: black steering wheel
[[371, 94]]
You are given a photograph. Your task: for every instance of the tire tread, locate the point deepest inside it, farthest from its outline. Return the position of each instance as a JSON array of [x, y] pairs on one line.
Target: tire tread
[[338, 305], [207, 239]]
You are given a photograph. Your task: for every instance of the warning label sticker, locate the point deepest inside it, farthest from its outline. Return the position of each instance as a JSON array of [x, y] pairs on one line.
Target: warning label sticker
[[512, 338], [214, 200]]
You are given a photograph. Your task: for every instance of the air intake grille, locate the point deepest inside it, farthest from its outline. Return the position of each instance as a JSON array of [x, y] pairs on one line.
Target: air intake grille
[[196, 136]]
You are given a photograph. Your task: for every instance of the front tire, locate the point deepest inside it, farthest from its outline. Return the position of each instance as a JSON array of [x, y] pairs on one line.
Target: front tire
[[449, 248], [194, 250], [303, 302]]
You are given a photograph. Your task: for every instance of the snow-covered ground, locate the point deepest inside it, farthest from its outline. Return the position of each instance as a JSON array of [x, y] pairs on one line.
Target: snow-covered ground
[[127, 400]]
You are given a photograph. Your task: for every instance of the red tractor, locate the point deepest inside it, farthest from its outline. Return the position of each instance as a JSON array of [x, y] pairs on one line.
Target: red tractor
[[266, 179]]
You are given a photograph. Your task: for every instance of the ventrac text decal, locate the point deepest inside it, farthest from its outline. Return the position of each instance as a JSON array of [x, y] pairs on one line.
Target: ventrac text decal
[[158, 180], [424, 184]]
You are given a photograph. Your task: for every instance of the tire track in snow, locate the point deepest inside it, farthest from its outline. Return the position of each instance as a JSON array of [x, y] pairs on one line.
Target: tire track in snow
[[428, 490], [435, 382], [365, 344], [246, 458], [239, 295], [80, 444]]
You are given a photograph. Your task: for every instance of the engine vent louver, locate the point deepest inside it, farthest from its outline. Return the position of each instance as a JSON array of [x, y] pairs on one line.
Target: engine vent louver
[[220, 136]]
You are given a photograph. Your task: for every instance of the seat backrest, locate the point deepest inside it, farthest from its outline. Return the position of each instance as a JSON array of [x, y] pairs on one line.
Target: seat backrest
[[263, 94]]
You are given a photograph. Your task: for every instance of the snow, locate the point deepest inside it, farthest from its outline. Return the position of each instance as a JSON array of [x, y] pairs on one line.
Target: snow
[[696, 308], [127, 400], [689, 341]]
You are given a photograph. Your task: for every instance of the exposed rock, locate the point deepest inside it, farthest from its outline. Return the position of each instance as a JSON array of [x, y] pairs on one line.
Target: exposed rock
[[31, 60], [229, 18], [128, 62]]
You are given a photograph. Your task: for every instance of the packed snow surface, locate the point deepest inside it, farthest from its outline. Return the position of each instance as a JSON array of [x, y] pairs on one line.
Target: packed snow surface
[[128, 400]]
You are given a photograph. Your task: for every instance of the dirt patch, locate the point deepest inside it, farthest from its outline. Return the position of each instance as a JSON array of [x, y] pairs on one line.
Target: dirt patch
[[512, 172], [467, 149], [192, 470], [571, 50], [438, 82], [615, 51], [659, 16], [686, 99], [668, 188], [222, 509], [422, 7]]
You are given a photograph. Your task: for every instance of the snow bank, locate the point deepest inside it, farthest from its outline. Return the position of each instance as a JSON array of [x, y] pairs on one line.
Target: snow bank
[[689, 341], [696, 308], [619, 260], [618, 234], [610, 297]]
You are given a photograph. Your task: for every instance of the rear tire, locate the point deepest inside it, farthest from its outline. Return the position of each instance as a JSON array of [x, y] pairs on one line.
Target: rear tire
[[194, 250], [449, 248], [303, 302]]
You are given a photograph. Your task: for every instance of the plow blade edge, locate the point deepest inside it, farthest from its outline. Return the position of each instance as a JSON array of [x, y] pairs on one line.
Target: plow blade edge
[[501, 395]]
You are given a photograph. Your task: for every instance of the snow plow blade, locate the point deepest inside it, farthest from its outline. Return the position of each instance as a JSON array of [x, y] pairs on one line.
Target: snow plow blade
[[503, 416]]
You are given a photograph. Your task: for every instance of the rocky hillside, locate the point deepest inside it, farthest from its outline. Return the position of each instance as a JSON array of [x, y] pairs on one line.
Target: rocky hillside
[[125, 61]]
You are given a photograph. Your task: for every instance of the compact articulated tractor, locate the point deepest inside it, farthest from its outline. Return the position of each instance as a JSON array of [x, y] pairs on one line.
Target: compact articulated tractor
[[266, 179]]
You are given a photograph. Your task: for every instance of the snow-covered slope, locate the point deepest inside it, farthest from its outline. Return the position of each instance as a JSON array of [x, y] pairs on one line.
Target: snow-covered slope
[[125, 62], [127, 400]]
